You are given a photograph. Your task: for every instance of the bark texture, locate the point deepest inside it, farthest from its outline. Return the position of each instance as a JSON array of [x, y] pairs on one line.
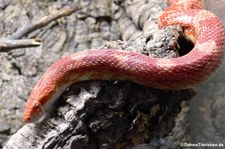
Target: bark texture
[[207, 108]]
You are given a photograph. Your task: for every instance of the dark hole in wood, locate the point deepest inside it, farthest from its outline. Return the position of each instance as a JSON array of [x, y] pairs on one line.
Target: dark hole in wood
[[185, 45]]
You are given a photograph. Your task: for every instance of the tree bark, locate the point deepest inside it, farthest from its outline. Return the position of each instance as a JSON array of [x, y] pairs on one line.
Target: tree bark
[[107, 114]]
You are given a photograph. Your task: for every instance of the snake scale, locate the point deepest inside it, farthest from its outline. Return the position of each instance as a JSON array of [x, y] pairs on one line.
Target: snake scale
[[200, 26]]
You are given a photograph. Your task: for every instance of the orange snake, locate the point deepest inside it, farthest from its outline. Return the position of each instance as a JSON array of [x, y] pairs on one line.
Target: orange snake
[[202, 27]]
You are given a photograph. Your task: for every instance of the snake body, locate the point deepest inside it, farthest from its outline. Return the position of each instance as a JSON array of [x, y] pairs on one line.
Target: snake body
[[204, 29]]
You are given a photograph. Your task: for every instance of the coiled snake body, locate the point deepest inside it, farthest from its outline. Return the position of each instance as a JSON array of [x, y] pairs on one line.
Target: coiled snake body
[[201, 26]]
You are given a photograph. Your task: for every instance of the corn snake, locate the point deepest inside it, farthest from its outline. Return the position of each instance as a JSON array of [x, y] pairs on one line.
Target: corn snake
[[202, 27]]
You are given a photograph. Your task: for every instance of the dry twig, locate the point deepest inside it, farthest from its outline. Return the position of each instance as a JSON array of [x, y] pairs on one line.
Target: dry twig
[[14, 41], [8, 44]]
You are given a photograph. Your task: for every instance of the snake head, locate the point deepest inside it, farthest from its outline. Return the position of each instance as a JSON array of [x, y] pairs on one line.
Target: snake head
[[33, 111], [42, 98]]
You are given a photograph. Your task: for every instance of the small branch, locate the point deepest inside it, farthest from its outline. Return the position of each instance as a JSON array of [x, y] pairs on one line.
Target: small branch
[[8, 44], [45, 20], [14, 41]]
